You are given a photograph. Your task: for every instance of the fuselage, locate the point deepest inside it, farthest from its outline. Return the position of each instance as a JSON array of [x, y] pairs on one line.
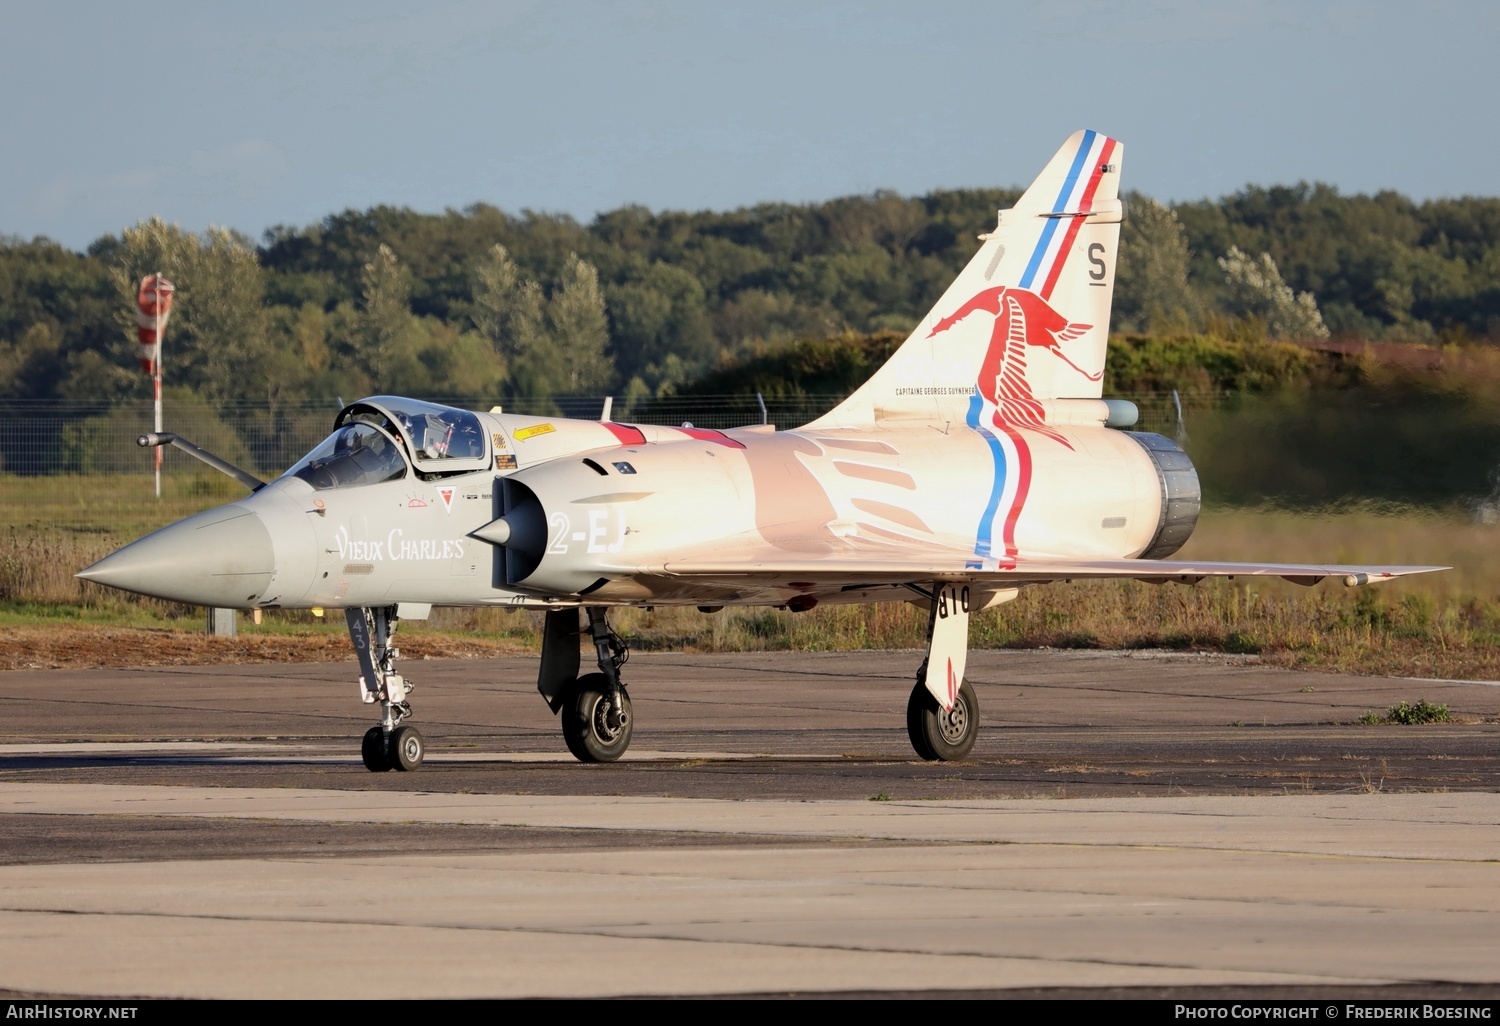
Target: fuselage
[[604, 511]]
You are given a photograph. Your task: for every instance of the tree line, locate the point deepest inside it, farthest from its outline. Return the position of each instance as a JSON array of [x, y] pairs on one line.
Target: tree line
[[481, 302]]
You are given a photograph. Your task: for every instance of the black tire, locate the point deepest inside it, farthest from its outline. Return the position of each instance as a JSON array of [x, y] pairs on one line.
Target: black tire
[[917, 708], [406, 749], [373, 751], [938, 736], [587, 721]]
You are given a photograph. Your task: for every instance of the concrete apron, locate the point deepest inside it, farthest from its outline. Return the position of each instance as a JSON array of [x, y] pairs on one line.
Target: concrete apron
[[1316, 889]]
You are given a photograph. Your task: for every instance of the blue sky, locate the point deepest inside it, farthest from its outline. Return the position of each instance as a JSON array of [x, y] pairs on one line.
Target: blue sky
[[250, 115]]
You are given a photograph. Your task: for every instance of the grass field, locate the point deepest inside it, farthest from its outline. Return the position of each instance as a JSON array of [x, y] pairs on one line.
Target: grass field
[[1436, 625], [120, 506]]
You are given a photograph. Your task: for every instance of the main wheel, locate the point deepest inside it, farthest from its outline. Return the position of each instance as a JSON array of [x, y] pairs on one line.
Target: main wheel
[[593, 729], [373, 751], [407, 748], [937, 735]]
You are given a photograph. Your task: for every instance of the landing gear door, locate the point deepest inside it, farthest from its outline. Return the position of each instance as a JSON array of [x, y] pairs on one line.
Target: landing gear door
[[948, 642]]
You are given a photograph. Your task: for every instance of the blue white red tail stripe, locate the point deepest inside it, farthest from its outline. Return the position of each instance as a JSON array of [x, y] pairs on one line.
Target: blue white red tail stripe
[[995, 539], [1076, 194], [1085, 203], [1044, 244]]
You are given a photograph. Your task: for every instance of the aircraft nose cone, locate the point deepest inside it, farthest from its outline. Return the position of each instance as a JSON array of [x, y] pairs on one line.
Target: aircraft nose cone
[[223, 557]]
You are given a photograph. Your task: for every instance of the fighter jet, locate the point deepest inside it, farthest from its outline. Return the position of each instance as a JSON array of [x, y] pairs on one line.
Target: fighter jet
[[979, 460]]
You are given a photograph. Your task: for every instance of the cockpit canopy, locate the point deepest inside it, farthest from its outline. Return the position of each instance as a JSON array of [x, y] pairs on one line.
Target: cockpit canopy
[[355, 454], [438, 439], [375, 439]]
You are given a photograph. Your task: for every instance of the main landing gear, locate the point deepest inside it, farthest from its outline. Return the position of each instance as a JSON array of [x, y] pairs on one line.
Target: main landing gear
[[389, 744], [943, 721], [938, 734], [942, 713], [595, 708]]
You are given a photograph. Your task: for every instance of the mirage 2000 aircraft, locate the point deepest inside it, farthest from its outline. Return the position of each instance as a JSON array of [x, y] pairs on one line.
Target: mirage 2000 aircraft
[[979, 460]]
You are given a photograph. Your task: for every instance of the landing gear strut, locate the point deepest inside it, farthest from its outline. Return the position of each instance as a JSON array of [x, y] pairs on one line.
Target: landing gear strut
[[943, 721], [389, 744], [595, 708]]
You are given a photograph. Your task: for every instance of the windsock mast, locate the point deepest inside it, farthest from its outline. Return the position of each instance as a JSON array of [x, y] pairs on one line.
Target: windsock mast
[[153, 305]]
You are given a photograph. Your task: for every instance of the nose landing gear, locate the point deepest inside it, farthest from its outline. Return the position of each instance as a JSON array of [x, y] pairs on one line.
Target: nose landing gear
[[389, 744]]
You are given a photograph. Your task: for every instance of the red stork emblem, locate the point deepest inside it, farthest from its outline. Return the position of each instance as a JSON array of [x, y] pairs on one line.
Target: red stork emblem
[[1022, 319]]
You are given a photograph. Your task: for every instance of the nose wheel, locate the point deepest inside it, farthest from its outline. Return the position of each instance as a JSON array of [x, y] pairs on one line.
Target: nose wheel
[[389, 744], [406, 748], [374, 752], [402, 749]]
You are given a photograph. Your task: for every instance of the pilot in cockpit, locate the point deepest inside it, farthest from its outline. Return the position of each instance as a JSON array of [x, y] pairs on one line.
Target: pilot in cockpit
[[438, 437]]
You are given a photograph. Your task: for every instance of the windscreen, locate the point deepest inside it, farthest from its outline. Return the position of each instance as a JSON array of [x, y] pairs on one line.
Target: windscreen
[[356, 454]]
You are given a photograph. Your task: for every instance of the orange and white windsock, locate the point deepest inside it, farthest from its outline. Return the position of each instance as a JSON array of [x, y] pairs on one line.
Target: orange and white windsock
[[153, 304]]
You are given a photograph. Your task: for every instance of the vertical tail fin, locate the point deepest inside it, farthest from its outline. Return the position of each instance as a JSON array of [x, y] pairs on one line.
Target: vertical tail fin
[[1028, 319]]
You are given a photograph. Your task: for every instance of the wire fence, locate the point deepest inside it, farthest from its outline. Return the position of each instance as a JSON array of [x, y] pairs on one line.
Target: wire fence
[[82, 438], [71, 446]]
